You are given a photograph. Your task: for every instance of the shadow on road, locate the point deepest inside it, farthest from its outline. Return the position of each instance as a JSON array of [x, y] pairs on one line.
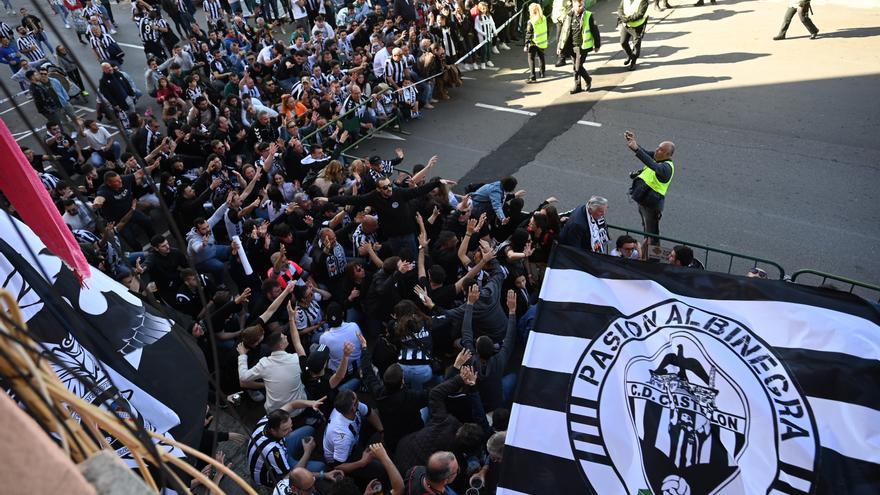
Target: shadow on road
[[669, 83], [865, 32], [715, 15], [662, 36]]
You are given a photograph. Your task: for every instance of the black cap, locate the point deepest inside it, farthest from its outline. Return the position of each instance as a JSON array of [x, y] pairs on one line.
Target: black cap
[[318, 358], [335, 314], [375, 159]]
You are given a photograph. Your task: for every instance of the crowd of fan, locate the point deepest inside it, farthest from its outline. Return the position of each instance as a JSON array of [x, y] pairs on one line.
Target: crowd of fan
[[315, 283]]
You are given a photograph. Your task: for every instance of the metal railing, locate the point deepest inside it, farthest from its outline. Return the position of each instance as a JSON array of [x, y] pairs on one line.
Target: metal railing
[[722, 261], [868, 291]]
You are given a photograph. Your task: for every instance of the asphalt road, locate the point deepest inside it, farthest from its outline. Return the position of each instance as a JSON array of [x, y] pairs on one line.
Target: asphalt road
[[777, 142]]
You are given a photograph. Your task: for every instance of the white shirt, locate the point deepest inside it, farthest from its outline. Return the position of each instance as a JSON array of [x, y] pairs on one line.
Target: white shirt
[[335, 339], [97, 140], [342, 434], [379, 62], [265, 55], [281, 373]]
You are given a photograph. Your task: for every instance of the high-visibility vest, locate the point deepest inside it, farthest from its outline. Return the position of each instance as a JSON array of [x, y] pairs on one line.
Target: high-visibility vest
[[629, 8], [539, 37], [651, 180], [586, 34]]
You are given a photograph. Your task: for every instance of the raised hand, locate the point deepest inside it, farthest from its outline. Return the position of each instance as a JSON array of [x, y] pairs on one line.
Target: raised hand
[[511, 302], [463, 357], [473, 294]]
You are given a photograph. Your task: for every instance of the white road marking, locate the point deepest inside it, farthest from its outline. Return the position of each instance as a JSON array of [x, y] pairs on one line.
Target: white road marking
[[139, 47], [17, 105], [589, 123], [466, 78], [388, 135], [505, 109]]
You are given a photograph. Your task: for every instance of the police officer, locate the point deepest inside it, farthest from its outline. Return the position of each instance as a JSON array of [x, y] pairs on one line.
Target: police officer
[[802, 7], [536, 38], [558, 16], [583, 35], [650, 184], [632, 15]]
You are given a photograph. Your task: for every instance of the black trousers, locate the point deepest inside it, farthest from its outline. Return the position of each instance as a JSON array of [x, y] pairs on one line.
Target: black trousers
[[155, 49], [580, 57], [559, 54], [803, 13], [535, 52], [651, 221], [631, 39]]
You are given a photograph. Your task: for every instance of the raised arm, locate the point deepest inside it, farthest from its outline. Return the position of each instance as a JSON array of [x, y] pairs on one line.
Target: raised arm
[[339, 375], [267, 315], [294, 332], [467, 332]]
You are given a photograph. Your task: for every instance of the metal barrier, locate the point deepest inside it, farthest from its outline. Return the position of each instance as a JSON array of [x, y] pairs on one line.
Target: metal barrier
[[855, 287], [737, 263], [369, 135]]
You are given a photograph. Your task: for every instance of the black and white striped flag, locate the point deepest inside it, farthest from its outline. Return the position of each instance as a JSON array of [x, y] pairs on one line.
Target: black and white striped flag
[[642, 378]]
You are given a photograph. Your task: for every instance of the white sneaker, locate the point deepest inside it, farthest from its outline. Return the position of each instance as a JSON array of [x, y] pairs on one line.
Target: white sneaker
[[472, 66], [66, 25], [112, 31], [495, 50], [490, 64], [483, 65], [505, 46], [464, 67]]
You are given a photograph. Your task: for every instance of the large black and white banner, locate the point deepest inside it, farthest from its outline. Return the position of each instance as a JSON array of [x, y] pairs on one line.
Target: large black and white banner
[[642, 378], [106, 345]]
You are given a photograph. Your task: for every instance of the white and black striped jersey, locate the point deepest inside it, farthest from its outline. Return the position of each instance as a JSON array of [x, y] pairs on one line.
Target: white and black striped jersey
[[101, 45], [267, 457], [249, 90], [95, 10], [218, 65], [213, 11], [6, 31], [319, 82], [297, 90], [395, 70], [415, 348], [193, 92], [27, 42], [147, 30], [358, 237], [350, 103], [409, 94]]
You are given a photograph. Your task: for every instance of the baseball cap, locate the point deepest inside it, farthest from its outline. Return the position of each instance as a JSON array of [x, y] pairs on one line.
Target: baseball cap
[[375, 159], [318, 358]]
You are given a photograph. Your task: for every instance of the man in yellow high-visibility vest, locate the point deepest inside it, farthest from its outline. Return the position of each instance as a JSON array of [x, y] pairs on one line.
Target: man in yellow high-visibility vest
[[632, 15], [651, 183], [583, 37]]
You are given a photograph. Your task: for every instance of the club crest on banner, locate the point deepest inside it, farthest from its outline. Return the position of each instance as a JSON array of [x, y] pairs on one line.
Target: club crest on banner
[[674, 400]]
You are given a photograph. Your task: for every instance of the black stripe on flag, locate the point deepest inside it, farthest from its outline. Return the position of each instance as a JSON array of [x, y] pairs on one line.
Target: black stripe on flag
[[855, 378], [570, 319], [533, 472], [704, 284], [839, 475], [542, 388]]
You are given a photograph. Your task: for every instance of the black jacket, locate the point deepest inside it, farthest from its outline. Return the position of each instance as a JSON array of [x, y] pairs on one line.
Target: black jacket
[[398, 216], [115, 89], [400, 410], [491, 371]]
